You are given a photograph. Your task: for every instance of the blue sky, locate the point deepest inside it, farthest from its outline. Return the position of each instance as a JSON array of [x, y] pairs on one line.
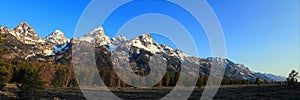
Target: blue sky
[[262, 34]]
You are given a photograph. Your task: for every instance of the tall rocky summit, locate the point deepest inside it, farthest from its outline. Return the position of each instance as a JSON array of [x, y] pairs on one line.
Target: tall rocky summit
[[119, 52]]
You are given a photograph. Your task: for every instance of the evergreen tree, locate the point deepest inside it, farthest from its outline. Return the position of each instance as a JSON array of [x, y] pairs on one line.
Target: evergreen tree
[[3, 77], [166, 79], [160, 84], [112, 81], [3, 72], [257, 81], [31, 86], [177, 76], [205, 79], [58, 79], [199, 81]]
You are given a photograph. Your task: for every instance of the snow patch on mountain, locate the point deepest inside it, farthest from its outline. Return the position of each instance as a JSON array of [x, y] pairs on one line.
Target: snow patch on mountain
[[98, 36], [57, 37], [28, 56], [48, 52], [57, 43], [26, 34], [146, 42], [234, 70], [119, 39], [183, 56], [270, 77], [59, 48]]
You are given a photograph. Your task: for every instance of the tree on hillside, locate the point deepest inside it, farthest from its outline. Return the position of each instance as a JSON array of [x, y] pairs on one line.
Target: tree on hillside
[[63, 77], [58, 80], [112, 81], [166, 79], [291, 79], [176, 78], [199, 81], [3, 71], [257, 81], [31, 86], [3, 77]]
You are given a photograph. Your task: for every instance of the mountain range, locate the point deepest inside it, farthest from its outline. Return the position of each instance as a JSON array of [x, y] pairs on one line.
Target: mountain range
[[23, 43]]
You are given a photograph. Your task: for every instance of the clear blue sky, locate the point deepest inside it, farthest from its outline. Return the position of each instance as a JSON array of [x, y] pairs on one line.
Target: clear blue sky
[[262, 34]]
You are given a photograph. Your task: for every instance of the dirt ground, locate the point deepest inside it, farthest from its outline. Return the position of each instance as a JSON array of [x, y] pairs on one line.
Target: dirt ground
[[230, 92]]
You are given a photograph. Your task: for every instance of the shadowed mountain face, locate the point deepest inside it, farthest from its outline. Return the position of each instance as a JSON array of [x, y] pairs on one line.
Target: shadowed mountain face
[[136, 54]]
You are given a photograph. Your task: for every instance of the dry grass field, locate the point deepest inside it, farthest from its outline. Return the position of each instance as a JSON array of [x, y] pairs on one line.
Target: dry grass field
[[229, 92]]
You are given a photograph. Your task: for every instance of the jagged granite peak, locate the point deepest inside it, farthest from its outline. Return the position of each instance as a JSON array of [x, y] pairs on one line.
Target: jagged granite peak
[[98, 36], [97, 32], [1, 29], [4, 30], [74, 40], [57, 37], [270, 77], [60, 42], [234, 70], [25, 44], [146, 38], [24, 28], [183, 56], [26, 34], [145, 41], [119, 39], [240, 71]]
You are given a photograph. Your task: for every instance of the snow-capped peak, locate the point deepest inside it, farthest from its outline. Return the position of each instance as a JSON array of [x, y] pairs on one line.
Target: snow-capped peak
[[97, 32], [59, 40], [146, 38], [3, 29], [146, 42], [119, 39], [24, 28], [98, 35], [58, 32], [57, 37], [26, 34], [182, 55]]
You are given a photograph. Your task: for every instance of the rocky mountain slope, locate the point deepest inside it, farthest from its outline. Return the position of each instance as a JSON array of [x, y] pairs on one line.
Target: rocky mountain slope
[[135, 54], [270, 77]]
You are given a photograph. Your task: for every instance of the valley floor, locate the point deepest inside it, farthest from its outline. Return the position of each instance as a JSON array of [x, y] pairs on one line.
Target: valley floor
[[228, 92]]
